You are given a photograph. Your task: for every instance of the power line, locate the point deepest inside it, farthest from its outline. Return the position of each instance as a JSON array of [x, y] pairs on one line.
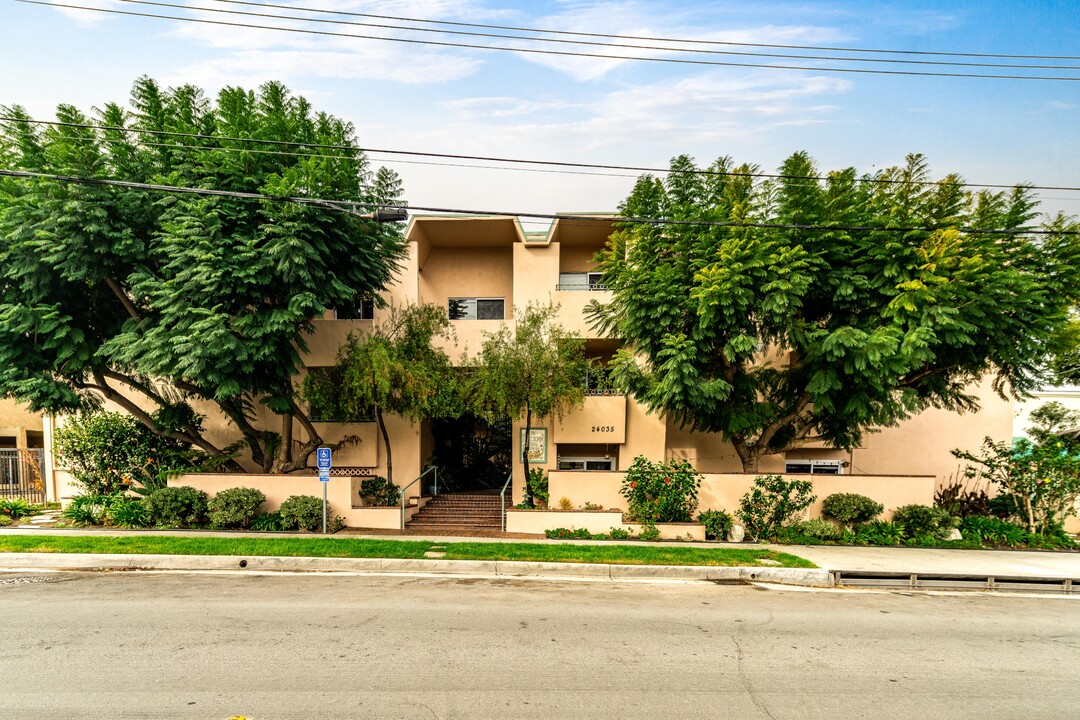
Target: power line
[[731, 43], [488, 158], [345, 205], [559, 53], [593, 43]]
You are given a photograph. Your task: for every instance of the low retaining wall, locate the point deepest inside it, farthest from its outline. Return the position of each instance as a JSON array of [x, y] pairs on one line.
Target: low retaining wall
[[537, 521], [340, 492], [723, 491]]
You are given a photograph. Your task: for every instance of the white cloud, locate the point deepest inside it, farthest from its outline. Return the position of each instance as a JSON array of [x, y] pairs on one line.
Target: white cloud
[[1060, 105]]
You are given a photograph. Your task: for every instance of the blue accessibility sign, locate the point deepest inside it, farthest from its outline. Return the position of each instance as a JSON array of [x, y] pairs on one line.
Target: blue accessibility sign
[[323, 458]]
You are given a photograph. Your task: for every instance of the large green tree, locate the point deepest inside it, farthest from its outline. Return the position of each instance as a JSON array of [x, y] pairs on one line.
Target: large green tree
[[803, 308], [534, 369], [393, 368], [154, 299]]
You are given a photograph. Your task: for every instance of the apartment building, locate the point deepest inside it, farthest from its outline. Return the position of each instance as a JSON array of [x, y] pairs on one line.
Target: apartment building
[[482, 268]]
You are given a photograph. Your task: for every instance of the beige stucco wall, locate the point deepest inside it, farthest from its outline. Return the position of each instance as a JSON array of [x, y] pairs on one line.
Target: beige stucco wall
[[340, 492], [572, 305], [600, 419], [536, 273], [16, 420], [468, 272], [724, 491]]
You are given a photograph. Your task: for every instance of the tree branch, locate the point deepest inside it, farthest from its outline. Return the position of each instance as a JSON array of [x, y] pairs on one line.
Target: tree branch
[[124, 299]]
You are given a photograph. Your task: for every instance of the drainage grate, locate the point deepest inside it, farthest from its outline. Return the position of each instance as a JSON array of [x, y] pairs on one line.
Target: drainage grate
[[943, 581]]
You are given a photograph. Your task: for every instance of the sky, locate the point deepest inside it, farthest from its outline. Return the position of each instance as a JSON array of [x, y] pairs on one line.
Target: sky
[[403, 96]]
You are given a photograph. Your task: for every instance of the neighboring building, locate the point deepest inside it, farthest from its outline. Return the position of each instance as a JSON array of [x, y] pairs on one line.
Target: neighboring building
[[482, 268], [22, 443], [1067, 395]]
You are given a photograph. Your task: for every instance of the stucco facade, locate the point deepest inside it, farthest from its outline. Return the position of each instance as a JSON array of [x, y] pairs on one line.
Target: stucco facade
[[488, 267]]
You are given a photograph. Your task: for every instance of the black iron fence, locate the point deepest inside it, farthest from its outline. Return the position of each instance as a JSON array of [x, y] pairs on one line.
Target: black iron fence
[[21, 475]]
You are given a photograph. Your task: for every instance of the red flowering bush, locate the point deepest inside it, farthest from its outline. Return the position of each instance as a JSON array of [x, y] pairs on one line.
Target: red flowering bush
[[661, 492]]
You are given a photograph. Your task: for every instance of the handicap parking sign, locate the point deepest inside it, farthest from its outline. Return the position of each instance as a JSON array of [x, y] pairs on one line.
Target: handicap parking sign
[[324, 458]]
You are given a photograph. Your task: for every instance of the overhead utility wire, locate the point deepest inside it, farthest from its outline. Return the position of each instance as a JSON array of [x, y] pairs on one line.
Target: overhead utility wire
[[486, 158], [655, 39], [344, 205], [593, 43], [559, 53]]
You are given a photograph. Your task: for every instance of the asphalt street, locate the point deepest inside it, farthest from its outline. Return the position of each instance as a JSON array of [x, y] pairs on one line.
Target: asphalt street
[[187, 645]]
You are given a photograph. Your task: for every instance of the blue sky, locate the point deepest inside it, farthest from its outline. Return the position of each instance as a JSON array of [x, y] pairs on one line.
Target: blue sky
[[588, 110]]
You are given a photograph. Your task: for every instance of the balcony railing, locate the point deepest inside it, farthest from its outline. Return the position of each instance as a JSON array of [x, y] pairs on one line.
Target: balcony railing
[[593, 287]]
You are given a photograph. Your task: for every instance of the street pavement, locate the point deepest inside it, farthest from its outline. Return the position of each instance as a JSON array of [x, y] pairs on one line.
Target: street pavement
[[273, 646]]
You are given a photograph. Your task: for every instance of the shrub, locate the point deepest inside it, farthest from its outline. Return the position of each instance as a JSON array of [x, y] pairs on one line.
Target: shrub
[[880, 532], [1003, 507], [567, 534], [819, 530], [959, 500], [851, 508], [538, 485], [992, 531], [923, 520], [177, 506], [588, 506], [267, 522], [717, 524], [234, 507], [302, 511], [661, 492], [620, 534], [104, 450], [565, 504], [15, 508], [649, 533], [377, 491], [89, 509], [127, 512], [5, 520], [772, 503]]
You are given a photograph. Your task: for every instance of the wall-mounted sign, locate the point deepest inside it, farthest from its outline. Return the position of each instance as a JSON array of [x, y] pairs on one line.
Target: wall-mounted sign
[[537, 445]]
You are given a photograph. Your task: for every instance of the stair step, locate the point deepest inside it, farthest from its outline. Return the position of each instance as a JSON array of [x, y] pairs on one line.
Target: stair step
[[451, 529]]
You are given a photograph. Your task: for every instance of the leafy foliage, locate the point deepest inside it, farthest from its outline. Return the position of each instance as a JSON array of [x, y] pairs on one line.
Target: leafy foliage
[[538, 486], [153, 299], [959, 500], [851, 508], [772, 503], [660, 492], [924, 520], [817, 531], [90, 509], [379, 492], [234, 507], [106, 449], [177, 506], [128, 512], [777, 336], [267, 522], [304, 512], [535, 369], [1041, 477], [392, 368], [717, 524], [880, 532], [15, 508]]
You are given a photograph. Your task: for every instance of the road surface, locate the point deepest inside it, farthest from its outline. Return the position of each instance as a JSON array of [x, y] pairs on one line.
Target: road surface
[[181, 645]]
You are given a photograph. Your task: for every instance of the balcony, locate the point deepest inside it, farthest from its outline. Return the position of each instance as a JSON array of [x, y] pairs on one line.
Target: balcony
[[572, 304]]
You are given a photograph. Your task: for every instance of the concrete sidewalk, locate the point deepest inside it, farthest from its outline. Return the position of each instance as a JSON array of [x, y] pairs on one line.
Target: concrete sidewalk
[[830, 559]]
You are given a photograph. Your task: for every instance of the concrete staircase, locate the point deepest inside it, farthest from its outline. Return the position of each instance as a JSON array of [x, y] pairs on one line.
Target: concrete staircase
[[458, 513]]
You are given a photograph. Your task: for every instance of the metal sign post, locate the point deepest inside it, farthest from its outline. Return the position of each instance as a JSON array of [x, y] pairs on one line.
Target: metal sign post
[[324, 463]]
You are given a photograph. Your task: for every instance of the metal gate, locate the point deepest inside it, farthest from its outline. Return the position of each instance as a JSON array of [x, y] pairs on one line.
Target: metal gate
[[20, 475]]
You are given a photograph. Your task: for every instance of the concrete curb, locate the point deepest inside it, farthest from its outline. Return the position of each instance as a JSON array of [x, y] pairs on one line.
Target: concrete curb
[[472, 568]]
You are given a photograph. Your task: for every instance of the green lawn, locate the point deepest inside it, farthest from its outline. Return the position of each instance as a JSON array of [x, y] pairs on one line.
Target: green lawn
[[341, 547]]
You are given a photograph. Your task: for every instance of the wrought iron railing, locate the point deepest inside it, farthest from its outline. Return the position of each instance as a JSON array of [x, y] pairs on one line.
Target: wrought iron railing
[[502, 499], [431, 469], [21, 474], [590, 287]]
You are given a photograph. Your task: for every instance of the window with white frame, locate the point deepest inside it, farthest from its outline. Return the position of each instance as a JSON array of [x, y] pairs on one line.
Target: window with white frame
[[362, 308], [581, 281], [586, 463], [461, 308]]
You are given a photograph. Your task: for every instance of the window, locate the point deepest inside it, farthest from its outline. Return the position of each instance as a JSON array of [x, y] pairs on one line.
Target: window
[[361, 308], [475, 308], [815, 467], [585, 463], [581, 281]]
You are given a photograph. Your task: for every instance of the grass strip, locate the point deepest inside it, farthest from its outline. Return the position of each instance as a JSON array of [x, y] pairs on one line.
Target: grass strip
[[397, 549], [622, 554]]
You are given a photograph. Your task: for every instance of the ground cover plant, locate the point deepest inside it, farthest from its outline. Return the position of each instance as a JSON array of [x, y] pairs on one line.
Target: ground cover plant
[[365, 548]]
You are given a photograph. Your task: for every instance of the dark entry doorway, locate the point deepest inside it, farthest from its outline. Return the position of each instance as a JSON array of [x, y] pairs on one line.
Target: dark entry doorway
[[471, 453]]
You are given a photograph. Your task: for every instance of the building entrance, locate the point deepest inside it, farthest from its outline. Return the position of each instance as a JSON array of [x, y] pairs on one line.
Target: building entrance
[[471, 453]]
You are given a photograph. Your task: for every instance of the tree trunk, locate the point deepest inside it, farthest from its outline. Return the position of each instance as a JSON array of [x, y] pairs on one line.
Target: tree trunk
[[285, 451], [748, 454], [386, 444], [525, 454]]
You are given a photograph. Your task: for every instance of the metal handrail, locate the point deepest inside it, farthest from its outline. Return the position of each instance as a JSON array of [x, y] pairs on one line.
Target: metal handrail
[[419, 477], [502, 499]]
